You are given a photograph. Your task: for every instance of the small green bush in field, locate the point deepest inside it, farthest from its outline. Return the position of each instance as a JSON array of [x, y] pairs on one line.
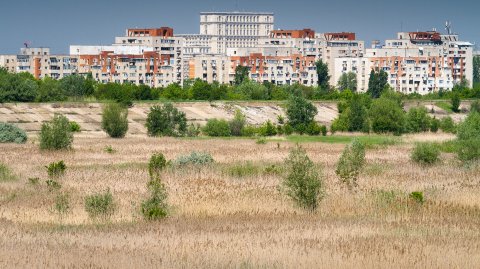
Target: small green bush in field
[[56, 134], [100, 205], [313, 128], [56, 169], [237, 123], [217, 128], [351, 162], [10, 133], [109, 149], [53, 185], [115, 120], [74, 127], [417, 196], [434, 125], [6, 174], [194, 158], [267, 129], [323, 130], [156, 165], [193, 130], [62, 204], [302, 183], [447, 125], [261, 141], [155, 207], [425, 153], [468, 150], [468, 135]]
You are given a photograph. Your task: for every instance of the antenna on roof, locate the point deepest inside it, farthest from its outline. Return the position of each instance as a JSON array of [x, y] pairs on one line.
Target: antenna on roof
[[448, 27], [26, 44]]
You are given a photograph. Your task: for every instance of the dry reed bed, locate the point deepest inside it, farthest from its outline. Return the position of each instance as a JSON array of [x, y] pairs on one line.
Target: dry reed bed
[[221, 221]]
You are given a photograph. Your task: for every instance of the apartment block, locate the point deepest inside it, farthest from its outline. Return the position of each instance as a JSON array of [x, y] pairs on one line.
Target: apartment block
[[423, 62]]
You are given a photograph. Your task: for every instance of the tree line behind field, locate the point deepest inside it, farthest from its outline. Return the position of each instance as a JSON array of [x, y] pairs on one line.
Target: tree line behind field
[[23, 87]]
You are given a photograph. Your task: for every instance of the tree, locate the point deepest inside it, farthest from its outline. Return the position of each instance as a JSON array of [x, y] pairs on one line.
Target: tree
[[217, 128], [115, 120], [49, 90], [56, 134], [476, 70], [302, 183], [322, 74], [253, 90], [417, 120], [241, 74], [387, 116], [166, 120], [377, 82], [237, 123], [350, 163], [76, 86], [300, 112], [455, 101], [348, 81], [201, 90], [358, 115]]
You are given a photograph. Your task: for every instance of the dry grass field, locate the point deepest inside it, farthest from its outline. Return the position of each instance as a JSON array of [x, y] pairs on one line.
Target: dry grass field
[[220, 219]]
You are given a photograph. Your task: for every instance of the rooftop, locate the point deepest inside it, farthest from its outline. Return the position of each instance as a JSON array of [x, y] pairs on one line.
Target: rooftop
[[236, 13]]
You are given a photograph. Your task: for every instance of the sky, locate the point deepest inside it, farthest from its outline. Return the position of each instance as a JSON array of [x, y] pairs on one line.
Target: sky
[[60, 23]]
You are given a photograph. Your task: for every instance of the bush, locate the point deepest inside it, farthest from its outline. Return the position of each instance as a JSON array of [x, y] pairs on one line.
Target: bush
[[193, 130], [417, 196], [417, 120], [56, 169], [468, 150], [302, 182], [313, 129], [447, 125], [56, 134], [237, 123], [387, 116], [156, 165], [470, 128], [166, 120], [455, 101], [245, 169], [53, 185], [249, 131], [75, 127], [434, 125], [155, 207], [425, 153], [475, 106], [10, 133], [6, 174], [109, 149], [350, 163], [115, 120], [217, 128], [287, 129], [261, 141], [267, 129], [100, 205], [323, 130], [194, 158]]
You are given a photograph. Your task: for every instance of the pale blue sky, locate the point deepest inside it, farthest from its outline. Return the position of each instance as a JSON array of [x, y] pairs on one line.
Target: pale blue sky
[[60, 23]]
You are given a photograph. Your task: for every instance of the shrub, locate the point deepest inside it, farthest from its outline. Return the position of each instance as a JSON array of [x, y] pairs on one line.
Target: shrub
[[425, 153], [115, 120], [56, 169], [300, 112], [75, 127], [287, 129], [194, 158], [109, 149], [156, 165], [53, 185], [417, 196], [244, 169], [475, 106], [249, 130], [217, 128], [455, 101], [100, 205], [350, 163], [6, 174], [155, 207], [62, 204], [33, 181], [470, 128], [387, 116], [261, 141], [193, 130], [434, 125], [323, 130], [417, 120], [267, 129], [166, 120], [237, 123], [447, 125], [302, 182], [313, 128], [10, 133], [468, 150], [56, 134]]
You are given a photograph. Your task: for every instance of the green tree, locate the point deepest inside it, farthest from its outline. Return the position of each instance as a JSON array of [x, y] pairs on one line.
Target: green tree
[[166, 120], [350, 163], [455, 102], [217, 128], [56, 134], [237, 123], [348, 81], [49, 90], [377, 82], [322, 75], [302, 183], [300, 112], [76, 86], [253, 90], [241, 74], [387, 116], [358, 114], [417, 120], [201, 90], [476, 70], [115, 120]]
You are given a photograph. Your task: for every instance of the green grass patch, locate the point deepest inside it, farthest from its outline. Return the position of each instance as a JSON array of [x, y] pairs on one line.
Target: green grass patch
[[445, 106], [450, 146], [250, 169], [368, 140], [6, 174]]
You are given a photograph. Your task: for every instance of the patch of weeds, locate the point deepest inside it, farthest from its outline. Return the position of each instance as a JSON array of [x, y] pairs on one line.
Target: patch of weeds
[[261, 141], [56, 169], [33, 181], [62, 204], [375, 169], [417, 196], [53, 185], [194, 158], [109, 149], [6, 174], [100, 205], [244, 169]]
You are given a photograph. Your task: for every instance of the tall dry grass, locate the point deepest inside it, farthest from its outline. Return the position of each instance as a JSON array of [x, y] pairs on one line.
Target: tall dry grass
[[222, 221]]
